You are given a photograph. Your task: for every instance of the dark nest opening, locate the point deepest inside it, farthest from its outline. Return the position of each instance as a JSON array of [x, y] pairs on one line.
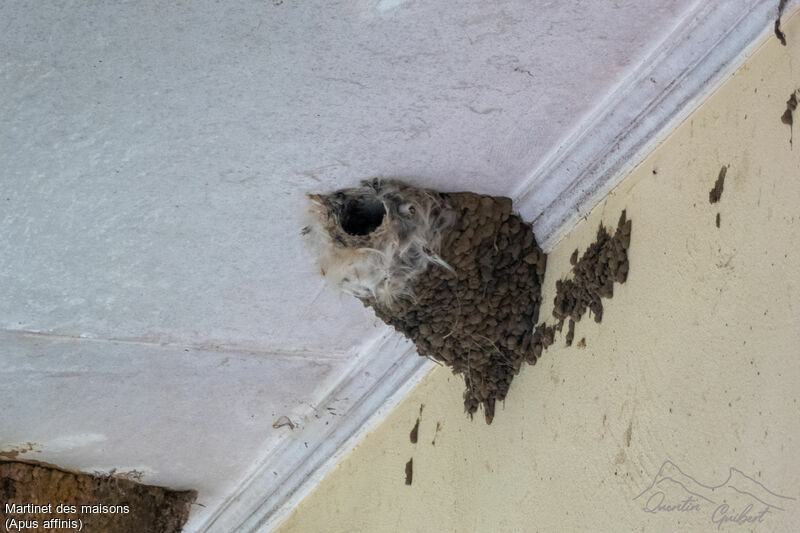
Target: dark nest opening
[[362, 217]]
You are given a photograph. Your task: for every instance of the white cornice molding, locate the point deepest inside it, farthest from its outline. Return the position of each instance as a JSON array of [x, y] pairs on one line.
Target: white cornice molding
[[382, 374], [703, 50]]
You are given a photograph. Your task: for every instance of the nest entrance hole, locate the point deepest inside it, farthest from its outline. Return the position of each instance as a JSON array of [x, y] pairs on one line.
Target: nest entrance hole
[[362, 217]]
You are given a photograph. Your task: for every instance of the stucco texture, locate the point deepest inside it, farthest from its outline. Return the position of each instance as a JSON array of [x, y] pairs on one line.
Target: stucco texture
[[695, 362]]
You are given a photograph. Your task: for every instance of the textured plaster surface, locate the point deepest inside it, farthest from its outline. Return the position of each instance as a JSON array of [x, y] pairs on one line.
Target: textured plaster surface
[[695, 362]]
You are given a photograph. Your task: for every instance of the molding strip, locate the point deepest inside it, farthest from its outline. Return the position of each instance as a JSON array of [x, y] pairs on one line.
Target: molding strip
[[384, 372], [703, 50]]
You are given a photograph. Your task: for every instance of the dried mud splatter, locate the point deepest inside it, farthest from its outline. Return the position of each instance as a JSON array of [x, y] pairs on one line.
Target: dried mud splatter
[[604, 263], [778, 33], [570, 332], [788, 115], [15, 452], [715, 193], [413, 436], [791, 105], [543, 337]]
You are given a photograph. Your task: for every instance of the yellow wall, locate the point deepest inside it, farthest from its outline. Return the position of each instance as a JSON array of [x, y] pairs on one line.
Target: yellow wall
[[697, 359]]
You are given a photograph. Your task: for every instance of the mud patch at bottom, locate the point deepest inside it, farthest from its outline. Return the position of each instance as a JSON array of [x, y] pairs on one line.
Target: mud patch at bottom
[[101, 503]]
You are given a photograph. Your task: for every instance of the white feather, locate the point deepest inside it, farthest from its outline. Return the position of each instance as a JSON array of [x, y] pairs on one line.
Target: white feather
[[383, 264]]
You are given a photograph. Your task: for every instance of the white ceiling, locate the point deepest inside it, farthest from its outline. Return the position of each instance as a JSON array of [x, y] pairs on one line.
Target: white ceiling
[[158, 312]]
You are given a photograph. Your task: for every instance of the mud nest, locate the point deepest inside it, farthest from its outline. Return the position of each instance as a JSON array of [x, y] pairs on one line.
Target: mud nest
[[460, 275], [457, 273]]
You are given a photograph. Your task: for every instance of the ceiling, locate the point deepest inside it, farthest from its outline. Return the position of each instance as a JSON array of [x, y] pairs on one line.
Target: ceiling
[[158, 311]]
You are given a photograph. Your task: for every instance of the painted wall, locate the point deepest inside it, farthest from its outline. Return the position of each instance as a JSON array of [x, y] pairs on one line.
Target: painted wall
[[696, 362]]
